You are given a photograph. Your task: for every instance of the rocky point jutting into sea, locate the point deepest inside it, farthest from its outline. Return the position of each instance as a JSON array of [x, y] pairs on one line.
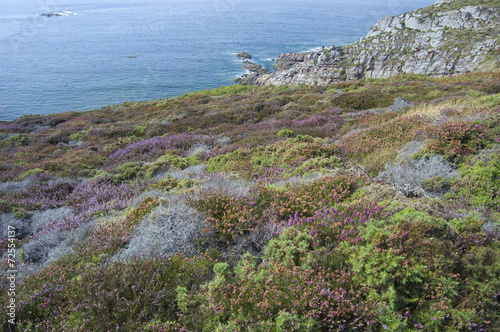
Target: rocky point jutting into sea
[[449, 37]]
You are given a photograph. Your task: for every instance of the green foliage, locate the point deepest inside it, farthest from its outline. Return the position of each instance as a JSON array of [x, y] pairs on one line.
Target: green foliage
[[79, 135], [170, 160], [292, 157], [15, 140], [127, 171], [410, 263], [292, 248], [225, 90], [285, 133], [246, 265], [479, 185], [140, 130], [362, 100], [21, 213], [437, 184]]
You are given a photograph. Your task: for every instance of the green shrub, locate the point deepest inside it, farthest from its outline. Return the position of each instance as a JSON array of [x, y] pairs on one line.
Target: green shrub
[[140, 131], [292, 248], [437, 184], [285, 133], [362, 100], [128, 171], [170, 160], [479, 185], [13, 141]]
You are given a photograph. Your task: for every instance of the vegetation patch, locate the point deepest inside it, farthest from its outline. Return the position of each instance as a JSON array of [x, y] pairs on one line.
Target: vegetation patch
[[261, 208]]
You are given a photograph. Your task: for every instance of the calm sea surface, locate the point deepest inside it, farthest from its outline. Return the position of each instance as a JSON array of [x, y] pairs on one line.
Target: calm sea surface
[[81, 61]]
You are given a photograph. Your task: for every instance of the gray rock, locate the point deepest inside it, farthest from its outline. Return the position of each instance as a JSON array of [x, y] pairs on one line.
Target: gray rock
[[399, 103], [243, 55], [422, 42], [255, 70]]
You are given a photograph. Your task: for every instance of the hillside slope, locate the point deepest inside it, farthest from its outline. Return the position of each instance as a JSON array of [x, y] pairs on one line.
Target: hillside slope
[[364, 206], [449, 37]]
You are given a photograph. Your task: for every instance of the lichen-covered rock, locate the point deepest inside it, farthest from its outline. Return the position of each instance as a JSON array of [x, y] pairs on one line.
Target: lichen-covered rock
[[436, 40]]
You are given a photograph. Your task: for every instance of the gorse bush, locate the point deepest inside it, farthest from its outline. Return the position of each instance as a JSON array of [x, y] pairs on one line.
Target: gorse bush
[[479, 185]]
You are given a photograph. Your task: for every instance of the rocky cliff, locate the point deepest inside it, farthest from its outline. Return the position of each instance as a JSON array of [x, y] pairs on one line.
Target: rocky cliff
[[449, 37]]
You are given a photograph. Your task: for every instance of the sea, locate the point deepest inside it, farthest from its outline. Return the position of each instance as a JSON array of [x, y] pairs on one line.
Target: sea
[[94, 53]]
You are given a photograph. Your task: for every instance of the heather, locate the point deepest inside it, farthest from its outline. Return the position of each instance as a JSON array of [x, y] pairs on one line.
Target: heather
[[361, 206]]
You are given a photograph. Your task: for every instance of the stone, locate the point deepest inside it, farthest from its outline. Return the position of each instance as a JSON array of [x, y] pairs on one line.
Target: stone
[[426, 41], [244, 55]]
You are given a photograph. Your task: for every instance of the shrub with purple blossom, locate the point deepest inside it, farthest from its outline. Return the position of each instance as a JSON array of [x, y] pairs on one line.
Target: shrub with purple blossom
[[152, 148]]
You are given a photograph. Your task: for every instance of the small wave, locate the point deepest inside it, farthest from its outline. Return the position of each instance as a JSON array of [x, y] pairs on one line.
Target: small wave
[[314, 49]]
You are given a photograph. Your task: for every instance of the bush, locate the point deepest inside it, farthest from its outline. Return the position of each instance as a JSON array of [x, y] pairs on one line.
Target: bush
[[228, 217], [479, 185], [13, 141], [418, 173], [285, 133], [55, 244], [305, 200], [456, 139], [362, 100], [165, 231]]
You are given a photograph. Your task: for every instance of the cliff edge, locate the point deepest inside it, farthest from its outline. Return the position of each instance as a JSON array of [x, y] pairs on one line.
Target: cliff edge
[[449, 37]]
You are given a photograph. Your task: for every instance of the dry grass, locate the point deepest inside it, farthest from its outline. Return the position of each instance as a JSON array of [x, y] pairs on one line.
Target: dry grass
[[433, 111], [375, 162]]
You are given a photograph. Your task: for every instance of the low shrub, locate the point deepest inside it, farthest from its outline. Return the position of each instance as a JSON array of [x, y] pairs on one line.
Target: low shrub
[[362, 100], [432, 174], [167, 230], [305, 200], [456, 139], [228, 217], [15, 140], [479, 185]]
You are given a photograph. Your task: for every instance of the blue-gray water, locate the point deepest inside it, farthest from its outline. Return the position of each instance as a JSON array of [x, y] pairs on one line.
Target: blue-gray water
[[81, 61]]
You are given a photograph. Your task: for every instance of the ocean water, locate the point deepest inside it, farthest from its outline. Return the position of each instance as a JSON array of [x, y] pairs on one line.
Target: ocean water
[[80, 61]]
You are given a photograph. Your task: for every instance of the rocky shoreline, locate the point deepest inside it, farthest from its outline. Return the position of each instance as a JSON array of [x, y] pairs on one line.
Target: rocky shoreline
[[443, 39], [255, 70]]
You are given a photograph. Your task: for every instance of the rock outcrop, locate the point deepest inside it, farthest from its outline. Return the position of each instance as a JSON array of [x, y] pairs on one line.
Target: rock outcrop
[[446, 38], [254, 70]]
